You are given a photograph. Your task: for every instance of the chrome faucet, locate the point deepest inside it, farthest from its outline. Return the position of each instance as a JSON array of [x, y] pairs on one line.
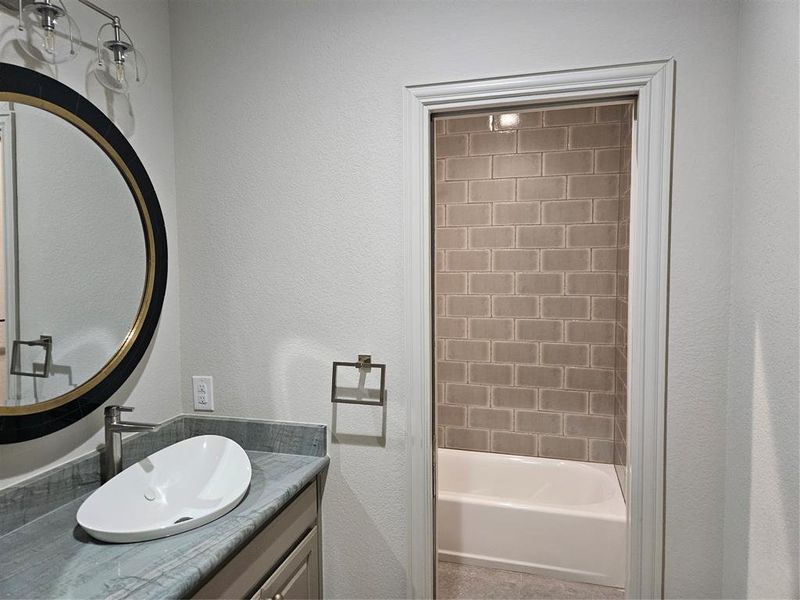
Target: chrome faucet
[[114, 426]]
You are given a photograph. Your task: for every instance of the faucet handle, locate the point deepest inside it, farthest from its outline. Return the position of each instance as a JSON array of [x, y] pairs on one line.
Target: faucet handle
[[114, 410]]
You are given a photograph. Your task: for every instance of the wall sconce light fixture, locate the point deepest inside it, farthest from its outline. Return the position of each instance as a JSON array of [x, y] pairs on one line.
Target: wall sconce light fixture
[[51, 35]]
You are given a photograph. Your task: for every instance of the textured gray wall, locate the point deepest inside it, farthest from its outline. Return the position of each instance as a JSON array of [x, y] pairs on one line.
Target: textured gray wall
[[289, 161], [762, 531]]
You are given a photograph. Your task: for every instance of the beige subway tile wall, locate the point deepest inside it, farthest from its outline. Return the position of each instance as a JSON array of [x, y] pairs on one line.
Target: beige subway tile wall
[[621, 332], [527, 242]]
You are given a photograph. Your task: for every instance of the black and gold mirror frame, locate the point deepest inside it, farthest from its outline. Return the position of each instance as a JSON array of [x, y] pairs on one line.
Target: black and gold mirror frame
[[20, 423]]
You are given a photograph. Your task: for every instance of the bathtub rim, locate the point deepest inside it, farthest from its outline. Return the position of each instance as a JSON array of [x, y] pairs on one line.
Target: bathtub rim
[[612, 508], [480, 500]]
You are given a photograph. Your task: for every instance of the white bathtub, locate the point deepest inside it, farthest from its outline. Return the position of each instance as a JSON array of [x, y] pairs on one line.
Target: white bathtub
[[552, 517]]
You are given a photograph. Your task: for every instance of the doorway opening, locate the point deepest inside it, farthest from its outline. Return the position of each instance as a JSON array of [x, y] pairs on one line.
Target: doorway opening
[[648, 89], [530, 248]]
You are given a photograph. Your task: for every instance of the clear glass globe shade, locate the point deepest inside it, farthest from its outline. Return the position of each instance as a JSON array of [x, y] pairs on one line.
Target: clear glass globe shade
[[120, 78], [54, 46]]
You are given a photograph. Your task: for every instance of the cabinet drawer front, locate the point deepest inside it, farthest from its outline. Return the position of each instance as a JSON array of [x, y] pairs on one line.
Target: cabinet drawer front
[[298, 576], [242, 574]]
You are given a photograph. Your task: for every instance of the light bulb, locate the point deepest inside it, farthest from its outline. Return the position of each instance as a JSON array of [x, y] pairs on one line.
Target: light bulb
[[119, 72], [49, 43], [509, 120]]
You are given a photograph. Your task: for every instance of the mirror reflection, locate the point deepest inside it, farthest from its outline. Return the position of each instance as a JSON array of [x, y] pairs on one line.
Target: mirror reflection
[[73, 257]]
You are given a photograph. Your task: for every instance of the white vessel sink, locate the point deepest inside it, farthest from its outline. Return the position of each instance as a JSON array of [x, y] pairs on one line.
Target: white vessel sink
[[176, 489]]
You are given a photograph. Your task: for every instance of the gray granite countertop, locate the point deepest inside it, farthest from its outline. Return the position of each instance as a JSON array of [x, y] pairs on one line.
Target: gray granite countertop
[[52, 557]]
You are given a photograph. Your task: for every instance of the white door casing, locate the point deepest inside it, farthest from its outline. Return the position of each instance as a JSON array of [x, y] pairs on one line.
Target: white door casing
[[652, 83]]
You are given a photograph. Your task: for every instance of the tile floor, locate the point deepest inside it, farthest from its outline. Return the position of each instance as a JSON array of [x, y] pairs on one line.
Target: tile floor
[[465, 582]]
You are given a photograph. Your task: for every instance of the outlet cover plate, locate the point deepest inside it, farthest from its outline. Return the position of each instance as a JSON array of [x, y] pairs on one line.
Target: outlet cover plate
[[203, 392]]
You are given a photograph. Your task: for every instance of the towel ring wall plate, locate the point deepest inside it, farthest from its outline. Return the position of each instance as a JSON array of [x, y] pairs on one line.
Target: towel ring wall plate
[[364, 363]]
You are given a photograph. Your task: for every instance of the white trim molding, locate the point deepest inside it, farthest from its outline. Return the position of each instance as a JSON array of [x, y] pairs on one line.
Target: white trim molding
[[652, 83], [8, 225]]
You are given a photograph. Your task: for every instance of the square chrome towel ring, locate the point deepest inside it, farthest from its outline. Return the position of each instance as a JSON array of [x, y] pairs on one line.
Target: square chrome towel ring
[[364, 364], [44, 341]]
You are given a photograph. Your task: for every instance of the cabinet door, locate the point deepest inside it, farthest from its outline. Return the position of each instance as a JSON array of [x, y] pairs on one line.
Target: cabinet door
[[249, 567], [298, 576]]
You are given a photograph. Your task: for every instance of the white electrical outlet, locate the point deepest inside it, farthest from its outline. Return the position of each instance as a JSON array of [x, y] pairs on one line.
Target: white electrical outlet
[[203, 392]]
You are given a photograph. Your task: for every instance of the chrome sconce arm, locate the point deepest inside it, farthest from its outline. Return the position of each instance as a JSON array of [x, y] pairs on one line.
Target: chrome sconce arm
[[97, 9]]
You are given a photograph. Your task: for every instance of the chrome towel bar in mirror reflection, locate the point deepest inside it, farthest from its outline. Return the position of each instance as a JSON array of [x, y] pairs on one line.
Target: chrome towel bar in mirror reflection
[[364, 365]]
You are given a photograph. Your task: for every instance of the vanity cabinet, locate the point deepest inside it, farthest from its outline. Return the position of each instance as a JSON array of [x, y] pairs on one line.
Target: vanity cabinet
[[298, 576], [282, 561]]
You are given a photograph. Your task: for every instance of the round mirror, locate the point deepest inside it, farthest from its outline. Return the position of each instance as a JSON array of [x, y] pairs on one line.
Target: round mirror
[[82, 256]]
